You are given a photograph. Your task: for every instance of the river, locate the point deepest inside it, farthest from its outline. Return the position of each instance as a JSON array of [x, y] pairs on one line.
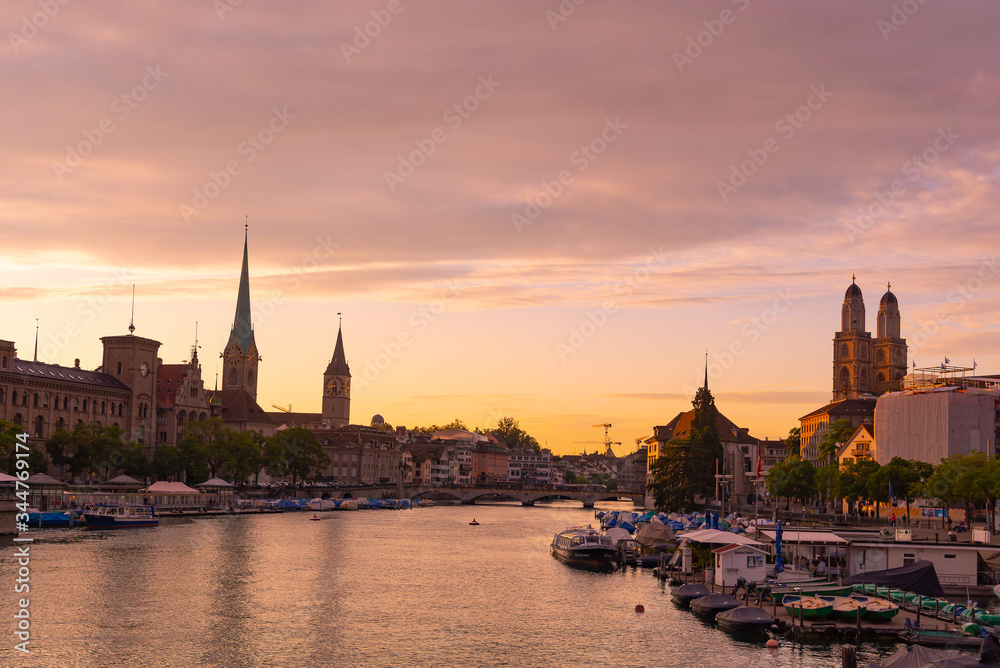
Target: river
[[368, 588]]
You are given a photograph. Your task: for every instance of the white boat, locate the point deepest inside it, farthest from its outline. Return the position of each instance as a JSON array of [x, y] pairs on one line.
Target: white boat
[[321, 504], [99, 516], [584, 547]]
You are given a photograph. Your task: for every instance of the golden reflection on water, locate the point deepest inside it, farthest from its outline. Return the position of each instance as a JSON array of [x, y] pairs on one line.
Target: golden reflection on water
[[366, 588]]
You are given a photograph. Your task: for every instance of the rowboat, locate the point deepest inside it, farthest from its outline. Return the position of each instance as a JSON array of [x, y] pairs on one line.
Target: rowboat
[[877, 610], [807, 607], [845, 607], [778, 593]]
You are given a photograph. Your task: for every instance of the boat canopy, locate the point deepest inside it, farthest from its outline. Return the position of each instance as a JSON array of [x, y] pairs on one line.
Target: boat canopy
[[919, 578], [793, 536]]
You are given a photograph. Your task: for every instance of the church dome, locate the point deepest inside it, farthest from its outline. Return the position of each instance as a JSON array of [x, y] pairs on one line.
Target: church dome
[[887, 299], [853, 291], [377, 420]]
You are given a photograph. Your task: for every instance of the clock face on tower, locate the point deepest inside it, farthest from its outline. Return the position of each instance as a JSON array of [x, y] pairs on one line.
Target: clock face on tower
[[252, 356], [331, 386], [144, 369], [232, 355]]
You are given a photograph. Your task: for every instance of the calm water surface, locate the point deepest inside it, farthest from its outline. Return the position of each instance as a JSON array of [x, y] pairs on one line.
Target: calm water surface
[[367, 588]]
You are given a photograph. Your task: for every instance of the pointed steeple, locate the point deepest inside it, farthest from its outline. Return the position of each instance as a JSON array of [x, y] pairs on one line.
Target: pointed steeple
[[338, 365], [706, 370], [242, 325]]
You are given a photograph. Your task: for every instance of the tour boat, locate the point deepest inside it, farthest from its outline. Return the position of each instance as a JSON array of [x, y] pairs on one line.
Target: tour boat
[[100, 516], [585, 548]]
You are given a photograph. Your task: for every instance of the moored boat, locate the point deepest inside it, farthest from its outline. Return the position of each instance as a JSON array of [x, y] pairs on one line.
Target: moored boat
[[584, 548], [713, 604], [778, 593], [876, 609], [686, 593], [101, 516], [744, 619], [808, 607], [845, 607]]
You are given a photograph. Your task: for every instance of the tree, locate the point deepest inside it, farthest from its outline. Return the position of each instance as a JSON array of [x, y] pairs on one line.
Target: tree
[[509, 433], [835, 436], [679, 475], [793, 442], [454, 424], [167, 462], [793, 478], [208, 442], [89, 448], [705, 425], [906, 475], [827, 478], [854, 483], [302, 453], [37, 463]]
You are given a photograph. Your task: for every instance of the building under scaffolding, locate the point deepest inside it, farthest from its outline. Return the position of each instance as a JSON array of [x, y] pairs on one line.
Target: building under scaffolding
[[941, 411]]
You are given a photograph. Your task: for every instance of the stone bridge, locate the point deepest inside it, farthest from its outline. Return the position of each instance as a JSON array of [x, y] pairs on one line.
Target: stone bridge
[[469, 495]]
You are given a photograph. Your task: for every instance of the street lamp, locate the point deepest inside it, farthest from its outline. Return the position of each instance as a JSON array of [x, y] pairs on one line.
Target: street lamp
[[723, 482]]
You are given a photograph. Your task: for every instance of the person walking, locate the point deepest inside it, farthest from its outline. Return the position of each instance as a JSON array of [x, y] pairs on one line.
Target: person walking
[[892, 519]]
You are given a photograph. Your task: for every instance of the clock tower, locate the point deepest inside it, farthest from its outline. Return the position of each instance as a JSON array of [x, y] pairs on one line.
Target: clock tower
[[240, 356], [337, 388]]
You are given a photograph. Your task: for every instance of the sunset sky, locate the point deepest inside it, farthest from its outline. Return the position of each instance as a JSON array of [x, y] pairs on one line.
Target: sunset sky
[[529, 208]]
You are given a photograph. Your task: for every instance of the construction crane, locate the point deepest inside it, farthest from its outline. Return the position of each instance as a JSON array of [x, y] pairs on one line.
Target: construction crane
[[606, 425], [283, 409]]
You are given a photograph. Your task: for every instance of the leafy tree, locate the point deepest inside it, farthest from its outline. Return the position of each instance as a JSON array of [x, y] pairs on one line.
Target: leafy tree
[[906, 476], [245, 454], [209, 442], [793, 442], [167, 462], [793, 478], [705, 425], [37, 462], [454, 424], [89, 448], [836, 435], [303, 454], [855, 481], [679, 475], [827, 478], [510, 434]]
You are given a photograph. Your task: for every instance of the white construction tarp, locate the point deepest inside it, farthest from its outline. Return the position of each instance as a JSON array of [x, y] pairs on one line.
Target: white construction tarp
[[809, 537], [655, 533]]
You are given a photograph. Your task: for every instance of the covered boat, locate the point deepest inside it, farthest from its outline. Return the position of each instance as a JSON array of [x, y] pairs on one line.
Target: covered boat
[[713, 604], [584, 548], [918, 578], [917, 656], [686, 593], [744, 619]]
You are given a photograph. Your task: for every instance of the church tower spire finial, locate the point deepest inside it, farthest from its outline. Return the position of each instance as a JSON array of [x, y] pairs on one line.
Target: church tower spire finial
[[706, 368]]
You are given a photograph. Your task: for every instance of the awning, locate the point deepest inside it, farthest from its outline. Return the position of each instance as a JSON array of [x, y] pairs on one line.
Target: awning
[[807, 537], [716, 537]]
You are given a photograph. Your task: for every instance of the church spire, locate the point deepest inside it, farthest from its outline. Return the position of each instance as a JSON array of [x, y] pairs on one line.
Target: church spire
[[242, 324], [706, 369], [338, 365]]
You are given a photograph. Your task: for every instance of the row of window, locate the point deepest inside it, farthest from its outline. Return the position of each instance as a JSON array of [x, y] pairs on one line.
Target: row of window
[[42, 401], [38, 425]]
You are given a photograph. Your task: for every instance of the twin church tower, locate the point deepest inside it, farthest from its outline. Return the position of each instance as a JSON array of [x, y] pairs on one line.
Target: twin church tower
[[241, 359], [862, 365]]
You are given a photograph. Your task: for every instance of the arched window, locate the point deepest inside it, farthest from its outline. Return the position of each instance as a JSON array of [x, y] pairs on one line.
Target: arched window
[[39, 424], [202, 416], [142, 434], [864, 353], [76, 404], [104, 407], [18, 419], [180, 419], [34, 401], [5, 361], [845, 378], [845, 352], [65, 403], [880, 356], [232, 376], [13, 398], [85, 404], [863, 381], [60, 424], [121, 410], [45, 400], [881, 379], [2, 396], [119, 367], [191, 417], [250, 377]]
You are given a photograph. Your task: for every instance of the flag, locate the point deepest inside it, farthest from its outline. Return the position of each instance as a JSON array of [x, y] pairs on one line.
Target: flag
[[973, 363], [914, 364], [947, 361], [892, 497], [942, 366], [758, 461]]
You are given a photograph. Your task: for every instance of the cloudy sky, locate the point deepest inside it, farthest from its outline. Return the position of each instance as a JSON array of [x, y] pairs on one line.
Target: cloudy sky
[[529, 208]]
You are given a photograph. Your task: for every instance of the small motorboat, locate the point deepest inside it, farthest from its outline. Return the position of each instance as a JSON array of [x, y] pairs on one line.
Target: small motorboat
[[110, 516], [473, 523], [314, 518], [953, 638], [713, 604], [807, 607], [744, 619], [684, 594]]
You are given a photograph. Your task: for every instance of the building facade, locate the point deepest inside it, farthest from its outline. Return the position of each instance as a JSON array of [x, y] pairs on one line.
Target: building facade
[[862, 365]]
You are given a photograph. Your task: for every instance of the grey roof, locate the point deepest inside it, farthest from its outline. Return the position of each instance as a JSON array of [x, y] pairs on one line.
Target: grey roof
[[242, 325], [338, 365], [42, 371]]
